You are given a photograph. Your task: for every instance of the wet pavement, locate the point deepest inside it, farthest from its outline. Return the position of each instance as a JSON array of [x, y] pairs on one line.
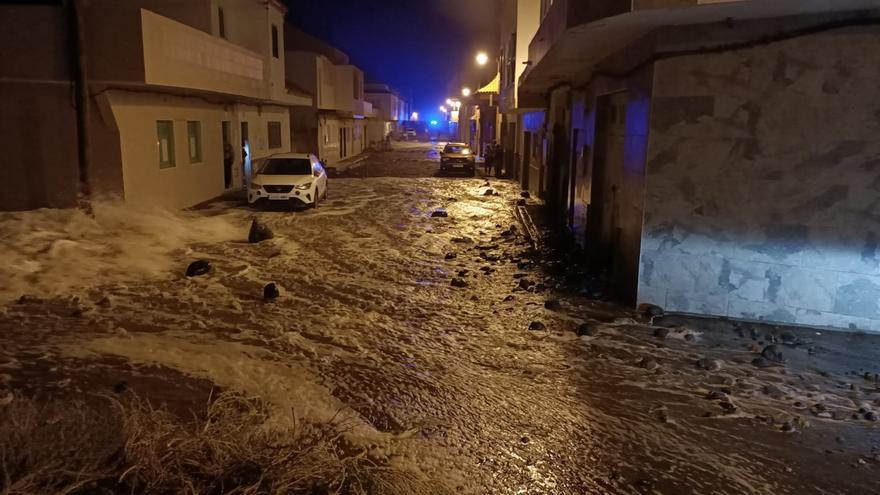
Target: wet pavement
[[448, 341]]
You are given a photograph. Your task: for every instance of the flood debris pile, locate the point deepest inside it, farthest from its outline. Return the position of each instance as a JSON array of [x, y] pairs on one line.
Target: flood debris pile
[[237, 445]]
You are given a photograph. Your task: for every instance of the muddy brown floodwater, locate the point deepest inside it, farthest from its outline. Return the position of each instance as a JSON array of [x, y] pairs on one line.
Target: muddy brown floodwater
[[449, 379]]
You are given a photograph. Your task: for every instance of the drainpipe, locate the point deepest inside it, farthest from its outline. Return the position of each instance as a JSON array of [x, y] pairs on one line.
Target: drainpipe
[[81, 98]]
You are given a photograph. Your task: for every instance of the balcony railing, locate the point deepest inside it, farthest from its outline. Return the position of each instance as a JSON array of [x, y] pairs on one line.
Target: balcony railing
[[177, 55]]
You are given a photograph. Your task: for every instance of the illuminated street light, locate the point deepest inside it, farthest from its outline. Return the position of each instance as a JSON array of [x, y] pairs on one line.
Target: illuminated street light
[[482, 58], [466, 91], [414, 117], [449, 101], [443, 109]]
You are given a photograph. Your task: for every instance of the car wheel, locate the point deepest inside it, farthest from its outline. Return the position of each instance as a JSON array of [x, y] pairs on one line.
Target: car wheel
[[315, 201]]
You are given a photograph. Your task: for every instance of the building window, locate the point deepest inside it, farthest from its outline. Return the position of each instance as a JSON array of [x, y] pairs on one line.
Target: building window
[[221, 20], [165, 143], [274, 134], [274, 41], [194, 138]]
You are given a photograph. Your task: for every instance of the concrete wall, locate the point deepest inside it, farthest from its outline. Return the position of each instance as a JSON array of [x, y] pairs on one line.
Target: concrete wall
[[763, 181], [36, 101], [186, 184]]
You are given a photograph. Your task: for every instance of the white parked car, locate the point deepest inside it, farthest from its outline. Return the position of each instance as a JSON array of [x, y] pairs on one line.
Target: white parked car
[[298, 177]]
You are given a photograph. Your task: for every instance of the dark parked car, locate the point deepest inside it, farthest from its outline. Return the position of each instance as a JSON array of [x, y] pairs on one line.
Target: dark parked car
[[458, 157]]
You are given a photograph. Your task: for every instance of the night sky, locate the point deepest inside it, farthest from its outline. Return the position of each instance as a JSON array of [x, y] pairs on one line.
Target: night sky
[[416, 46]]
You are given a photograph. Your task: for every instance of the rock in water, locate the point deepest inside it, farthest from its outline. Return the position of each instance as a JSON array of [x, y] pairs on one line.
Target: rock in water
[[451, 256], [537, 326], [525, 194], [552, 304], [652, 310], [709, 364], [198, 267], [587, 329], [270, 291], [457, 282], [770, 353], [259, 232], [489, 192], [439, 214], [661, 333]]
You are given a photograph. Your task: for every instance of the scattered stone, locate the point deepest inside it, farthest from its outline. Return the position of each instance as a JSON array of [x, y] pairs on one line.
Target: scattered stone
[[520, 275], [552, 304], [587, 329], [649, 364], [716, 395], [661, 333], [463, 272], [489, 192], [270, 291], [870, 416], [773, 391], [29, 299], [770, 353], [760, 362], [788, 427], [523, 265], [450, 256], [525, 283], [652, 310], [197, 268], [509, 298], [457, 282], [709, 364], [439, 213], [537, 326], [728, 406], [525, 194], [524, 439], [259, 232]]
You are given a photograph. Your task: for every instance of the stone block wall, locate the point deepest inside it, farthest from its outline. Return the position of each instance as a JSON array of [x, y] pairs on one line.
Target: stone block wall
[[763, 183]]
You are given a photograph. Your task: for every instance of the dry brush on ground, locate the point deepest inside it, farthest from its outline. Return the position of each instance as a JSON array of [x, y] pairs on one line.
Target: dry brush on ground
[[236, 446]]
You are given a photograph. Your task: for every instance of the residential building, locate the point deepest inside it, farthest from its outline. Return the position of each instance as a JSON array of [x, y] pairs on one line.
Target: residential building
[[340, 122], [518, 23], [719, 158], [182, 98], [390, 109]]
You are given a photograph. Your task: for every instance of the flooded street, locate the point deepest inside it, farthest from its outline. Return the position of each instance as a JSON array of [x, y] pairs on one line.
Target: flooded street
[[444, 340]]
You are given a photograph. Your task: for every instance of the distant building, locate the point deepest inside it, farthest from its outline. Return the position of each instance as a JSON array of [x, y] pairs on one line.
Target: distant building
[[183, 97], [718, 157], [342, 122], [388, 107]]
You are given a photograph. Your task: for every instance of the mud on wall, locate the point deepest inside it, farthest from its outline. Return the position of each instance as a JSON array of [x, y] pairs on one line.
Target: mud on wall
[[763, 183]]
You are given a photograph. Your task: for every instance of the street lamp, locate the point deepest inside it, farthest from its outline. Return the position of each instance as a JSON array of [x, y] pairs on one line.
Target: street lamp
[[414, 117], [449, 101], [466, 92], [443, 109], [482, 58]]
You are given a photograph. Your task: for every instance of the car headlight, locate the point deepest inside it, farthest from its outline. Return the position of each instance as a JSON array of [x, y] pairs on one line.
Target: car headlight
[[305, 186], [256, 186]]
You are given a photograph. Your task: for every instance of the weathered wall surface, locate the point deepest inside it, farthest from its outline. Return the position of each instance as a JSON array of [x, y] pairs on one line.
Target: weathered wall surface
[[763, 183]]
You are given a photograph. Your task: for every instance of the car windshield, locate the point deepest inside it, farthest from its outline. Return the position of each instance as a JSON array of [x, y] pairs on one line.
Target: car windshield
[[287, 166], [453, 148]]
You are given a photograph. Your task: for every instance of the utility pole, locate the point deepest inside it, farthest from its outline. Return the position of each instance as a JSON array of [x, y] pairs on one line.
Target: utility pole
[[81, 98]]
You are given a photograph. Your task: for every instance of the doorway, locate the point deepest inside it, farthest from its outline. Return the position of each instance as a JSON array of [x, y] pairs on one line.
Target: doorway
[[228, 155], [604, 213], [526, 160], [572, 175], [245, 156]]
